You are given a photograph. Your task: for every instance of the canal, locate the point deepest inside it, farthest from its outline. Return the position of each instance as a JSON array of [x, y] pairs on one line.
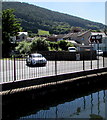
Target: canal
[[88, 102], [88, 106]]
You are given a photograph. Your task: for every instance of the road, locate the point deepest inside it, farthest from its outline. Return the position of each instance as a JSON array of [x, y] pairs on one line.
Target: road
[[19, 71]]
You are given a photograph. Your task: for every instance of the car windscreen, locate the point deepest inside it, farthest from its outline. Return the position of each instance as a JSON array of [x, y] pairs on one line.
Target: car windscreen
[[71, 48], [36, 55]]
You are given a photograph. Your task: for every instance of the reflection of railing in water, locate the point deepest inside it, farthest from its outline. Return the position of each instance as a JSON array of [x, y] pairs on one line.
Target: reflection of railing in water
[[91, 104]]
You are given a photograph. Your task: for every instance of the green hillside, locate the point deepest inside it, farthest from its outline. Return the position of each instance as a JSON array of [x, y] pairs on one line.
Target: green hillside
[[33, 18]]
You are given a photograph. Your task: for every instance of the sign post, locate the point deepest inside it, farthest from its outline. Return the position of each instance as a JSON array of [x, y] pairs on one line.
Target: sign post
[[96, 39]]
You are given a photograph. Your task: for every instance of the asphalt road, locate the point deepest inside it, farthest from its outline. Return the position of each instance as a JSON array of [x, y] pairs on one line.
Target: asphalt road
[[19, 71]]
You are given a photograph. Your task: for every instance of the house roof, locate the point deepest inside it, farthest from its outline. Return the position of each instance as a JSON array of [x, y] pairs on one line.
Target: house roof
[[20, 33], [69, 35], [78, 34], [57, 36], [83, 33]]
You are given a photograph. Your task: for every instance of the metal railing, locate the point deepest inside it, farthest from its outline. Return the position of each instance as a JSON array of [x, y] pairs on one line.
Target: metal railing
[[12, 69]]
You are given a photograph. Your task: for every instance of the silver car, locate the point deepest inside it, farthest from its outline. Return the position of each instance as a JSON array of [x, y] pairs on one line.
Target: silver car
[[36, 59]]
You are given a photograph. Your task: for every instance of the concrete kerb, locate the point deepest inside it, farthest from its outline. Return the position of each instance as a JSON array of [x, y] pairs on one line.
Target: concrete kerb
[[77, 81]]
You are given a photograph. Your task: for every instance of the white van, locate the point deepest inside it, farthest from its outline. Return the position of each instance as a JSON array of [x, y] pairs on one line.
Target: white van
[[72, 49]]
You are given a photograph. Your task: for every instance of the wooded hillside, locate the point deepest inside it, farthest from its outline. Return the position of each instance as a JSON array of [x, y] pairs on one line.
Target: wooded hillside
[[33, 18]]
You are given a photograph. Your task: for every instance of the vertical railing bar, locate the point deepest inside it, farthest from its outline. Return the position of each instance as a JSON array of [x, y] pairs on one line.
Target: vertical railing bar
[[21, 61], [12, 73], [6, 69], [98, 56], [3, 68], [14, 68], [103, 61], [55, 63], [9, 67], [91, 55], [83, 62]]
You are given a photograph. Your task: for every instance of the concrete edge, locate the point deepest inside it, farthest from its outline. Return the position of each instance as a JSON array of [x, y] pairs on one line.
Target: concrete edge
[[76, 80]]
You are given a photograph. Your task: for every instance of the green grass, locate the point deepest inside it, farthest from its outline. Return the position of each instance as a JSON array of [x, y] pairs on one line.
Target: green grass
[[43, 32]]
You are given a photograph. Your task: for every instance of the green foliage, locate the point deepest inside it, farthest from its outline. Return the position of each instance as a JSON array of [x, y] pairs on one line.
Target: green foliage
[[10, 24], [10, 27], [53, 46], [43, 32], [64, 44], [39, 44], [30, 34], [60, 45], [47, 20], [23, 47]]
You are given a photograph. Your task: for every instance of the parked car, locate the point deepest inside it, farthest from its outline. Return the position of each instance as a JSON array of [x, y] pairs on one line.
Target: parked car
[[99, 52], [71, 49], [36, 59]]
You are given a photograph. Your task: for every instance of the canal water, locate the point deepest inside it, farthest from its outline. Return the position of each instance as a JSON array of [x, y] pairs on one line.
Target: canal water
[[91, 105]]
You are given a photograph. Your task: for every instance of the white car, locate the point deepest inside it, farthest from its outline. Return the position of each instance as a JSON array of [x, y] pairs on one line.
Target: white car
[[99, 52], [36, 59], [71, 49]]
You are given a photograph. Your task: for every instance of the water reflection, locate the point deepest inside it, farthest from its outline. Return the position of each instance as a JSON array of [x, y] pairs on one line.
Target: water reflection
[[90, 106]]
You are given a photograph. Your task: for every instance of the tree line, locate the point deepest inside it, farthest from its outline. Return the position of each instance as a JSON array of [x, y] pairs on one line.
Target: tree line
[[41, 44]]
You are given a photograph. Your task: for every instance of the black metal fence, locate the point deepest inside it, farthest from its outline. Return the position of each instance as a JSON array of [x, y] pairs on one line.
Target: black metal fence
[[15, 68]]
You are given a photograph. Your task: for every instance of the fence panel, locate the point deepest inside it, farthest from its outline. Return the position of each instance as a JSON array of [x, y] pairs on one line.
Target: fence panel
[[12, 69]]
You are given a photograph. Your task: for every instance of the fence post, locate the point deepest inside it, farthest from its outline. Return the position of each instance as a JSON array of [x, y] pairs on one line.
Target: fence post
[[14, 69]]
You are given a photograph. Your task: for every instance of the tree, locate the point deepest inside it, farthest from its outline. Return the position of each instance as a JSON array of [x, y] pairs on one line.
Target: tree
[[64, 44], [23, 47], [10, 27], [39, 44]]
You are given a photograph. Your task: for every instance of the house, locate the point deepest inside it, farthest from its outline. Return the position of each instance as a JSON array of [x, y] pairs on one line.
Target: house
[[79, 37], [55, 38], [21, 36], [102, 46]]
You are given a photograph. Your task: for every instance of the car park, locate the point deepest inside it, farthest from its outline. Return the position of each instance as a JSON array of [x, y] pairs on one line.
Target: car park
[[36, 59]]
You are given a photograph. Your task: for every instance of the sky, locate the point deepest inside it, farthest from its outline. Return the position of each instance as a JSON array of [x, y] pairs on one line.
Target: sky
[[93, 10]]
